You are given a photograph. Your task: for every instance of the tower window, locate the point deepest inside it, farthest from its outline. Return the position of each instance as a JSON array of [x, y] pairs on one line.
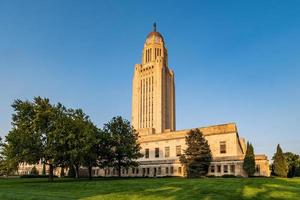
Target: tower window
[[223, 147]]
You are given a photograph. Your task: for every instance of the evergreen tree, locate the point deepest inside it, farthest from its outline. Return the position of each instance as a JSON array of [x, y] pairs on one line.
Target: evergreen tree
[[249, 160], [280, 166], [125, 148], [292, 162], [197, 156]]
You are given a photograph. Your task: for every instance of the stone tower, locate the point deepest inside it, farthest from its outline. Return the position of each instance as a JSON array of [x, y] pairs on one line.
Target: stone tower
[[153, 90]]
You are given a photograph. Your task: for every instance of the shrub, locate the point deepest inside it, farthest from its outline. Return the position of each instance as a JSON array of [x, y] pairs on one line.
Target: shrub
[[228, 176]]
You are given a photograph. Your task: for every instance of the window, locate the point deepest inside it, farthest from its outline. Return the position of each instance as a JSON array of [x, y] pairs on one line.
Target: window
[[223, 147], [159, 171], [123, 171], [137, 171], [232, 168], [257, 168], [144, 171], [148, 170], [167, 170], [212, 169], [133, 170], [179, 170], [225, 168], [156, 152], [178, 150], [172, 170], [219, 168], [146, 153], [167, 152]]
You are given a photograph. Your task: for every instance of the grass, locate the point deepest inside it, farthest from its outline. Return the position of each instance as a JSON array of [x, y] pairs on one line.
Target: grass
[[151, 188]]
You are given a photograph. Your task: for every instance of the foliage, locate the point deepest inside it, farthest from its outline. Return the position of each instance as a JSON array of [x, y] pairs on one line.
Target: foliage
[[197, 156], [123, 142], [71, 172], [279, 163], [66, 138], [34, 171], [36, 176], [292, 161], [249, 160]]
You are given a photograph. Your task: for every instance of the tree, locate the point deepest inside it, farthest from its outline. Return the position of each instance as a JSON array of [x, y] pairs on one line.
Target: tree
[[34, 171], [91, 146], [280, 166], [197, 156], [34, 133], [292, 163], [124, 142], [249, 160]]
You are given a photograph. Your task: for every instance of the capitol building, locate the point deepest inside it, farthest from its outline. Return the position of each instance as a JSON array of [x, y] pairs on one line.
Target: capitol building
[[154, 118]]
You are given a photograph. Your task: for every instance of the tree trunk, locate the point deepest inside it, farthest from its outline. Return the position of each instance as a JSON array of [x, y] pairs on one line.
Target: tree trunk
[[90, 172], [62, 172], [76, 171], [119, 170], [50, 172]]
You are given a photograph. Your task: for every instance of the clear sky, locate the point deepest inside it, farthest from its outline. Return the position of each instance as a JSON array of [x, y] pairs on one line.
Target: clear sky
[[234, 61]]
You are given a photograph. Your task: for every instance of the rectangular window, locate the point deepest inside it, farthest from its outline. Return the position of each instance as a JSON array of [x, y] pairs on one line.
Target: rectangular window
[[148, 171], [167, 152], [144, 171], [178, 150], [223, 147], [167, 170], [172, 170], [225, 168], [212, 169], [146, 153], [179, 170], [257, 168], [219, 168], [159, 171], [156, 152], [137, 171], [133, 170], [232, 168]]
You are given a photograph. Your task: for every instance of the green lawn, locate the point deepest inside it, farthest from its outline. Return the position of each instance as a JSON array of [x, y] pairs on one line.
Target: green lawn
[[151, 188]]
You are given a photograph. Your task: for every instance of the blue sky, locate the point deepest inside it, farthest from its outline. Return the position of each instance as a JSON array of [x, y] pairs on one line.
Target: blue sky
[[234, 61]]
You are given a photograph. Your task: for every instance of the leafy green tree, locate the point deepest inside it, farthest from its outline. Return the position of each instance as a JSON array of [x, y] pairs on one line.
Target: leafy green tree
[[34, 171], [124, 142], [292, 163], [71, 172], [197, 156], [279, 163], [34, 133], [91, 147], [249, 160]]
